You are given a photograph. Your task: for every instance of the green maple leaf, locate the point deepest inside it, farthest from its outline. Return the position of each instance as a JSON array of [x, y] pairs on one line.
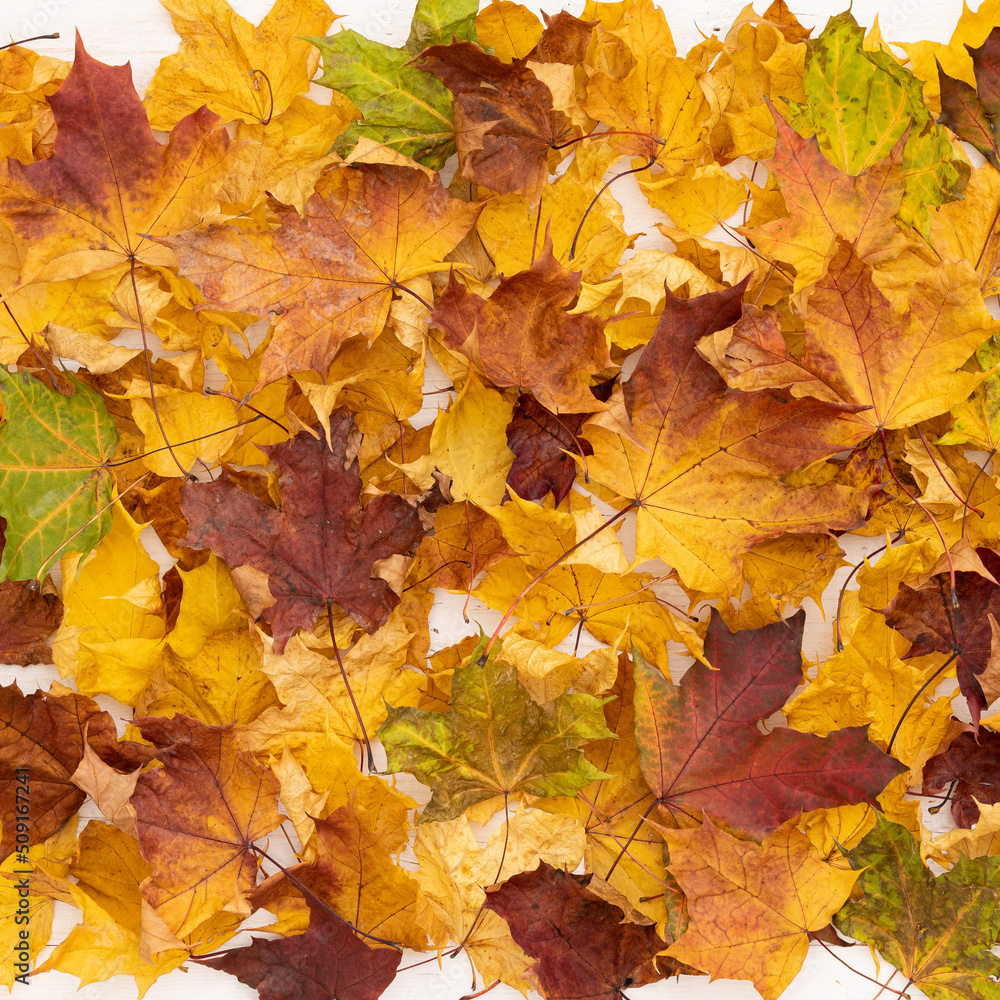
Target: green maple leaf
[[937, 931], [494, 741], [55, 491], [404, 107], [859, 104]]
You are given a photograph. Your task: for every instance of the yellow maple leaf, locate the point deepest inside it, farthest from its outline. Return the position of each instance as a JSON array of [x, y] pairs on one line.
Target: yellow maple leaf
[[241, 72], [752, 906]]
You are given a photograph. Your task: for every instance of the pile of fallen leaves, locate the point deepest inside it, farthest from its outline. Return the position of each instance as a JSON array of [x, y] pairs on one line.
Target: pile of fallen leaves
[[739, 403]]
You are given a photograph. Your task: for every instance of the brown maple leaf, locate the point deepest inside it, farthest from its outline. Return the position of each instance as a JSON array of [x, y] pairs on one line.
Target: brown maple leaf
[[109, 186], [932, 623], [505, 123], [701, 749], [319, 548], [332, 272], [970, 112], [27, 617], [523, 335], [197, 817], [41, 742], [543, 444], [355, 873], [584, 947], [972, 762], [287, 969]]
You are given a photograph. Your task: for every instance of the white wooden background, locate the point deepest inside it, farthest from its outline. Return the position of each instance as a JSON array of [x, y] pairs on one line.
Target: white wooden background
[[116, 31]]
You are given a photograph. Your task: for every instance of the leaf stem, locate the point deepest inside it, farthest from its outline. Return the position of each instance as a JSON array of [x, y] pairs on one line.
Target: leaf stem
[[898, 993], [593, 808], [270, 95], [594, 200], [965, 500], [843, 590], [631, 837], [982, 470], [201, 437], [601, 135], [436, 570], [989, 236], [34, 38], [347, 684], [913, 700], [242, 402], [146, 356], [396, 286], [472, 564]]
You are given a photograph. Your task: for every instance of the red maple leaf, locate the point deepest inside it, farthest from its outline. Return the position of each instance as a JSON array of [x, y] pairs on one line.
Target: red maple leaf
[[701, 749], [319, 547]]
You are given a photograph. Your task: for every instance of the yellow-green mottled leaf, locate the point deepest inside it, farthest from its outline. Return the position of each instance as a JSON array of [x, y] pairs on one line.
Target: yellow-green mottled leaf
[[494, 742], [859, 104], [55, 492]]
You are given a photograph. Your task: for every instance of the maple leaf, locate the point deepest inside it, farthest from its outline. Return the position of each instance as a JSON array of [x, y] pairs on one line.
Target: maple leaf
[[932, 622], [523, 335], [859, 351], [314, 690], [404, 107], [753, 907], [197, 818], [109, 186], [937, 932], [970, 112], [46, 733], [112, 630], [286, 969], [320, 547], [354, 872], [688, 434], [542, 443], [653, 97], [466, 540], [701, 750], [824, 203], [582, 946], [108, 869], [27, 618], [473, 754], [239, 71], [505, 122], [578, 212], [55, 492], [49, 860], [859, 103], [970, 762], [867, 683], [323, 275], [454, 868], [612, 810]]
